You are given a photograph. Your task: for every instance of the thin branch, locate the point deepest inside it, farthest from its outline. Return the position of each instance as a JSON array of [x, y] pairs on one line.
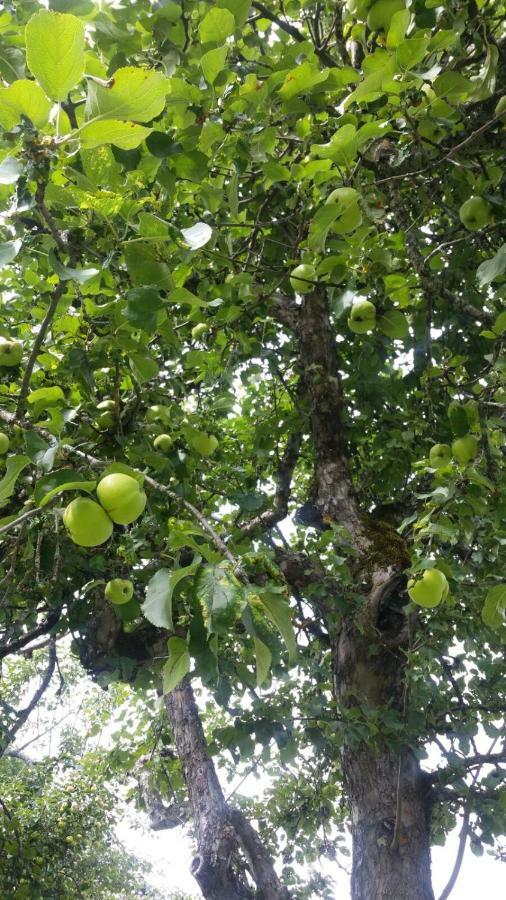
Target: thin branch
[[18, 644], [271, 517], [22, 518], [59, 290], [25, 713]]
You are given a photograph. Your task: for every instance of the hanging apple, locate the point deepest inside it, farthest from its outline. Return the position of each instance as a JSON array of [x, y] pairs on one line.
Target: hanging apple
[[362, 317], [119, 590], [465, 449], [163, 442], [440, 455], [4, 443], [11, 353], [349, 215], [429, 590], [87, 523], [475, 213], [199, 330], [302, 278], [122, 497]]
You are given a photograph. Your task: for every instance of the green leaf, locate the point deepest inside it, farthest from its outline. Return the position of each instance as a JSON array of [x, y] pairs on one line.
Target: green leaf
[[239, 8], [398, 27], [23, 98], [55, 52], [204, 444], [493, 612], [8, 251], [263, 660], [65, 273], [10, 170], [216, 26], [453, 86], [144, 367], [13, 468], [145, 268], [142, 307], [135, 94], [485, 81], [125, 135], [278, 611], [492, 268], [49, 396], [222, 597], [302, 79], [157, 607], [177, 665], [213, 62], [50, 485]]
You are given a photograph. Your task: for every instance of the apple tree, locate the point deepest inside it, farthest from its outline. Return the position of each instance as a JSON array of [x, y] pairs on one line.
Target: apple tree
[[251, 396]]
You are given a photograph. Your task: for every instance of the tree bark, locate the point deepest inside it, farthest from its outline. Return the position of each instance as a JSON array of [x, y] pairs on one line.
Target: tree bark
[[387, 794], [229, 849]]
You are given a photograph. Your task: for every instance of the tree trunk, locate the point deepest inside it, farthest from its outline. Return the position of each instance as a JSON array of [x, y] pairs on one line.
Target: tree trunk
[[387, 794], [228, 846]]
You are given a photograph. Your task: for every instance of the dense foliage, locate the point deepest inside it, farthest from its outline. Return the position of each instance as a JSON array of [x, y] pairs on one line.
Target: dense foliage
[[164, 166]]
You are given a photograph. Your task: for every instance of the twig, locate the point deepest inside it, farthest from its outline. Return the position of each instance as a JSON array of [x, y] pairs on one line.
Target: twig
[[37, 344]]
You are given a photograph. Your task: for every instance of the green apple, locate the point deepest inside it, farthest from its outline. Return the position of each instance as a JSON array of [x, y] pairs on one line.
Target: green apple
[[440, 455], [500, 395], [362, 317], [106, 405], [302, 278], [163, 442], [11, 353], [87, 523], [199, 330], [349, 215], [119, 590], [358, 8], [380, 14], [4, 443], [465, 449], [104, 421], [475, 213], [458, 418], [158, 413], [430, 589], [204, 444], [122, 497]]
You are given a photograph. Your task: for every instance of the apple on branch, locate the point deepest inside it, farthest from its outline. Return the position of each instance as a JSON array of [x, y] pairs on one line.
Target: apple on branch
[[429, 590], [11, 353], [119, 590], [87, 523], [122, 497], [362, 317]]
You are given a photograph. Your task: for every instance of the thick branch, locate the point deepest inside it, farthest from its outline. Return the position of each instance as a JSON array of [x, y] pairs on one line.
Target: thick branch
[[18, 644], [219, 867], [279, 511], [161, 816]]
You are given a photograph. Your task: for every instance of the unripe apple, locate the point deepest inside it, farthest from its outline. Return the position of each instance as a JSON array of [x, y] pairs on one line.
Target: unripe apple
[[119, 590], [4, 443], [199, 330], [380, 14], [106, 405], [158, 413], [122, 497], [87, 523], [204, 444], [362, 317], [465, 449], [11, 353], [430, 589], [104, 421], [349, 215], [475, 213], [440, 455], [302, 278], [163, 442]]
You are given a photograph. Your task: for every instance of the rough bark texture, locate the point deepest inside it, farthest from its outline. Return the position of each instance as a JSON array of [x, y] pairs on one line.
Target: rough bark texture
[[386, 791], [227, 844]]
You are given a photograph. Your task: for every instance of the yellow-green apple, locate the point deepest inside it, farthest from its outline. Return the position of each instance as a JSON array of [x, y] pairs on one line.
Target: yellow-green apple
[[349, 215], [122, 497], [465, 449], [302, 278], [430, 589], [87, 523], [362, 317], [158, 413], [204, 444], [440, 455], [4, 443], [119, 590], [11, 353], [199, 330], [163, 442], [475, 213]]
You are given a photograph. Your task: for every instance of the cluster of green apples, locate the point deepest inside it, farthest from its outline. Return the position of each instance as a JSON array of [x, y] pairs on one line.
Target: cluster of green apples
[[105, 418], [378, 15], [158, 415], [121, 502], [430, 589], [11, 353], [465, 447], [475, 213]]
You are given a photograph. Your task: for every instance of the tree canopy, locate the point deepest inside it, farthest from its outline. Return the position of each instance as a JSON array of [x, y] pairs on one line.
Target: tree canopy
[[252, 315]]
